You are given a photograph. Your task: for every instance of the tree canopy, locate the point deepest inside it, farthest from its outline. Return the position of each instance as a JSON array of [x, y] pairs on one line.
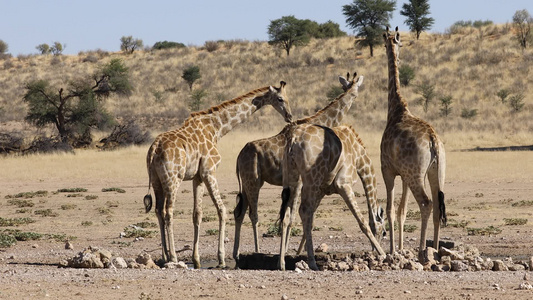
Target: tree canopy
[[368, 18], [417, 12], [76, 109]]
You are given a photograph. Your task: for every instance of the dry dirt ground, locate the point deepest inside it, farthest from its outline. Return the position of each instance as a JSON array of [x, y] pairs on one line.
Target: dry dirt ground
[[29, 269]]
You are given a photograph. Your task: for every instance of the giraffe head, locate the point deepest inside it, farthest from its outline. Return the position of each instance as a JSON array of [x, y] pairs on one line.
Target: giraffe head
[[277, 97], [392, 42], [347, 84], [381, 231]]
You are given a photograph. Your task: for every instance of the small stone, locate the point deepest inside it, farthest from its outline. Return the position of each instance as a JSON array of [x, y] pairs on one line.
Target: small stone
[[525, 286], [35, 246], [454, 255], [499, 266], [241, 286], [284, 297], [459, 266], [407, 292], [414, 266], [322, 248], [68, 245], [119, 263], [302, 265], [358, 292]]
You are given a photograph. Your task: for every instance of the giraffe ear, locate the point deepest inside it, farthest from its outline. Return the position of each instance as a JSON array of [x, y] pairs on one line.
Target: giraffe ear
[[359, 81], [345, 83]]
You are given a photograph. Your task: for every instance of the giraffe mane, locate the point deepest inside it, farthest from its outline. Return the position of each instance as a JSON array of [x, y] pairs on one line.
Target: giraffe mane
[[322, 111], [227, 103]]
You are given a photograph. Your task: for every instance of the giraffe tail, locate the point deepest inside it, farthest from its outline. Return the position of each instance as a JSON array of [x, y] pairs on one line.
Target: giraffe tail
[[285, 196], [148, 198], [240, 208], [442, 209]]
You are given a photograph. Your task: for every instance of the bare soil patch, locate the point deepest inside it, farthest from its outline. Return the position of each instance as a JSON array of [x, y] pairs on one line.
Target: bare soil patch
[[94, 217]]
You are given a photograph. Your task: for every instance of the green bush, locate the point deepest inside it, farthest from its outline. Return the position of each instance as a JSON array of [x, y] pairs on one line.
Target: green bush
[[167, 45], [407, 74]]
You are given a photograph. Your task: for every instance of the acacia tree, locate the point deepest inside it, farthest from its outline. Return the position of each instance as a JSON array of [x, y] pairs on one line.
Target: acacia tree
[[191, 74], [417, 12], [78, 108], [368, 18], [288, 32], [129, 45], [522, 22]]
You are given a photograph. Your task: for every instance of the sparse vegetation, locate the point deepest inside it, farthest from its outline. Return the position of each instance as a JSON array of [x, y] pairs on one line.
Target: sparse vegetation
[[68, 206], [21, 202], [72, 190], [515, 221], [128, 44], [15, 221], [522, 203], [135, 232], [489, 230], [409, 228], [91, 197], [46, 212], [113, 189], [211, 232], [28, 195]]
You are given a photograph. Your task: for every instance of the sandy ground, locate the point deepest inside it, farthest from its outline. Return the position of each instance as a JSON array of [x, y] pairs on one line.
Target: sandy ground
[[29, 269]]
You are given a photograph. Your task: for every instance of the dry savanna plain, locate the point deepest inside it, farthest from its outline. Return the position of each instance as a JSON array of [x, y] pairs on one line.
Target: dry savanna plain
[[92, 197]]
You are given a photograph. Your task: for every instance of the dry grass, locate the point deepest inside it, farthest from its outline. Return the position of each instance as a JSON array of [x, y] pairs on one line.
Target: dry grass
[[471, 66]]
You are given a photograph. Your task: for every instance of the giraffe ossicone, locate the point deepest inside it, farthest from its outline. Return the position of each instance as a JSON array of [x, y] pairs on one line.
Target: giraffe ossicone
[[190, 153]]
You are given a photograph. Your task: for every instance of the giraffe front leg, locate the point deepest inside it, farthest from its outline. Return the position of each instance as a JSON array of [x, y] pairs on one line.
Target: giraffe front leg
[[159, 211], [212, 187], [198, 192], [169, 214], [347, 194]]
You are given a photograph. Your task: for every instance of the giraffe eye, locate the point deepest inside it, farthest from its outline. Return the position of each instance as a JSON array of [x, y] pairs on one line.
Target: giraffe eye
[[280, 99]]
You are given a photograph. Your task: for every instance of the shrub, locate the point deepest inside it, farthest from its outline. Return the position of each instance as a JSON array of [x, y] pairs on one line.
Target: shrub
[[407, 74], [516, 102], [167, 45], [15, 221], [333, 92], [46, 213], [126, 134], [27, 195], [20, 202], [490, 230], [468, 113], [502, 94], [72, 190], [7, 240], [515, 221], [211, 46], [113, 189]]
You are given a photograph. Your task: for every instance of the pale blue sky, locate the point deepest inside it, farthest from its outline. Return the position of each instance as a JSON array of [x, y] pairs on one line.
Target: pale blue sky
[[99, 24]]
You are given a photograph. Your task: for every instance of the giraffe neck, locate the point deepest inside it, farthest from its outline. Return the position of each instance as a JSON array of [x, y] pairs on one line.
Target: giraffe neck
[[397, 105], [334, 112], [227, 115]]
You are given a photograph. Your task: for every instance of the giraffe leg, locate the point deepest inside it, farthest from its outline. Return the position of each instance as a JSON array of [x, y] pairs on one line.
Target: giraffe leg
[[169, 222], [402, 214], [160, 213], [212, 187], [239, 213], [347, 194], [310, 201], [285, 215], [295, 201], [301, 246], [198, 192], [389, 185], [417, 188], [253, 198]]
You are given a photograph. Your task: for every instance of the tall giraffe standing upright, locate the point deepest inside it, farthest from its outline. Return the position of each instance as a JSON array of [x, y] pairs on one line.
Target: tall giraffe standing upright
[[328, 161], [411, 149], [260, 161], [190, 153]]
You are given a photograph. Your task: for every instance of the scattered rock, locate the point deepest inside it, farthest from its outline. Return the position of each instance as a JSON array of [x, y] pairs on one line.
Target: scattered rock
[[68, 245], [531, 263], [525, 286], [499, 266], [178, 265], [302, 266], [459, 266], [454, 255], [35, 246], [413, 266], [322, 248], [119, 263], [146, 260]]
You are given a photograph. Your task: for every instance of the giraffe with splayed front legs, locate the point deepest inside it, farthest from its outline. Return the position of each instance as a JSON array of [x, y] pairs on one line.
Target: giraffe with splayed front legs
[[411, 149], [260, 161], [328, 161], [190, 153]]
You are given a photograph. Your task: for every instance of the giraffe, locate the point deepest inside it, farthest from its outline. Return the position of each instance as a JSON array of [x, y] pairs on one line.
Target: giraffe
[[190, 153], [328, 161], [411, 149], [260, 161]]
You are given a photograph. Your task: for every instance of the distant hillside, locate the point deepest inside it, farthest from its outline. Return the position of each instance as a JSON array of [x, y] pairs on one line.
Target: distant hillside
[[470, 66]]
